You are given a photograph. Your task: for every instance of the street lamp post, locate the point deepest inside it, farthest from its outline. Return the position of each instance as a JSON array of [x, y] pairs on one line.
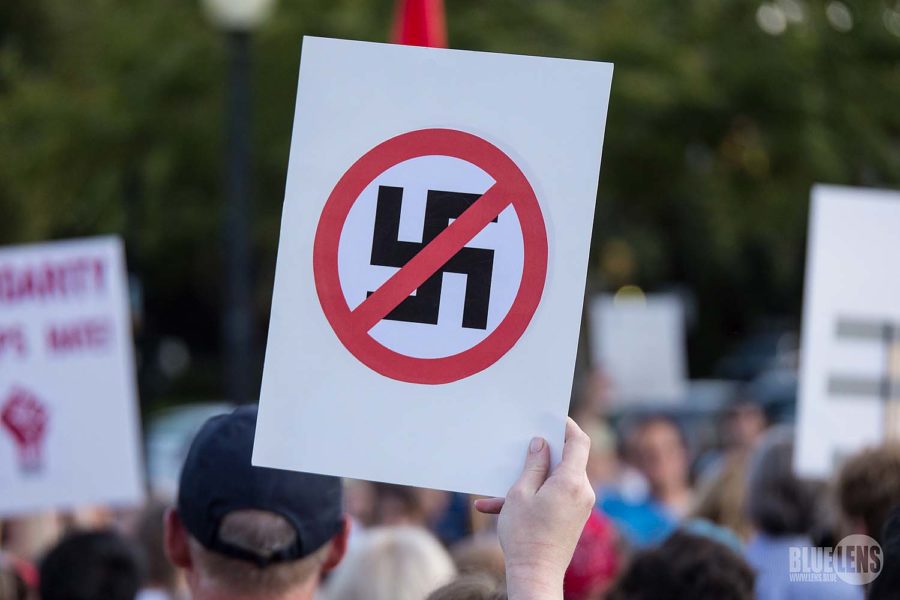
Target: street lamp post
[[238, 18]]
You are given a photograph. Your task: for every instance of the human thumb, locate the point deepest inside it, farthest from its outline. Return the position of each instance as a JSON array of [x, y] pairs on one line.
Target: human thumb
[[537, 465]]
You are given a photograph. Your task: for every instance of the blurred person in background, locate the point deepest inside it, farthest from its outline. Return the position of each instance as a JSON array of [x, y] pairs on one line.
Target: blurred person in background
[[18, 579], [452, 522], [471, 587], [742, 425], [589, 408], [480, 553], [720, 497], [443, 513], [782, 509], [603, 465], [403, 505], [868, 488], [28, 537], [656, 446], [685, 567], [887, 585], [592, 394], [359, 503], [96, 565], [163, 581], [89, 517], [399, 562], [246, 532], [595, 562], [606, 468]]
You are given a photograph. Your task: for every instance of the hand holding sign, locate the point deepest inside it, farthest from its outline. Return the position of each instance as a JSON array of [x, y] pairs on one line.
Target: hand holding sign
[[542, 517]]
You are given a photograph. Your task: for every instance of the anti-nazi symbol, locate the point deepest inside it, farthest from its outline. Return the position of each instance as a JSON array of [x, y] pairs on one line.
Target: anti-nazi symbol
[[504, 271], [477, 264]]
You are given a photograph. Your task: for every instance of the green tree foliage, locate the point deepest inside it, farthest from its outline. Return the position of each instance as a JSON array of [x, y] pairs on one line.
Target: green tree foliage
[[111, 120]]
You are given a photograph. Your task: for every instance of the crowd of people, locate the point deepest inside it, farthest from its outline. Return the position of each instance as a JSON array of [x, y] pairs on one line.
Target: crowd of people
[[634, 511]]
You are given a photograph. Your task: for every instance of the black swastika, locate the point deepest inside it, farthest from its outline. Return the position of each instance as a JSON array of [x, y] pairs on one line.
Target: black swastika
[[476, 264]]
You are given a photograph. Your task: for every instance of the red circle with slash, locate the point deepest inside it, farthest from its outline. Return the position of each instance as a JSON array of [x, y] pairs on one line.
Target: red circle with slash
[[510, 188]]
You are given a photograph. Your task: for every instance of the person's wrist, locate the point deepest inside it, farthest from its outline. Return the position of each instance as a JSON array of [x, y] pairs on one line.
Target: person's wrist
[[534, 580]]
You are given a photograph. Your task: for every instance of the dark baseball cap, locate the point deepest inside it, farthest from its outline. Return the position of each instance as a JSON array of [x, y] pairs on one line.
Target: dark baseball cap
[[217, 479]]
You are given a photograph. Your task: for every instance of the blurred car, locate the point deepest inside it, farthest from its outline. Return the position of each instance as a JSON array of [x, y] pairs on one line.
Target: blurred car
[[758, 353]]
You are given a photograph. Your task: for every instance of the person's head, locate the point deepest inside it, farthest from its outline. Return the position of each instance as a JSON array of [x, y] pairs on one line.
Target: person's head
[[406, 505], [685, 566], [248, 532], [360, 501], [603, 459], [887, 583], [657, 447], [480, 553], [591, 396], [148, 534], [778, 502], [97, 565], [744, 423], [392, 563], [868, 487], [480, 586]]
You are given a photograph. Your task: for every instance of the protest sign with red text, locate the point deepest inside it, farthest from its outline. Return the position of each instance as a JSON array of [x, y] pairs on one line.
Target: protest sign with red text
[[68, 413]]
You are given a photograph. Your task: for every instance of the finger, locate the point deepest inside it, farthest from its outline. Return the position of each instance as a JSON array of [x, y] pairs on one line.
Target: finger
[[537, 465], [489, 506], [576, 449]]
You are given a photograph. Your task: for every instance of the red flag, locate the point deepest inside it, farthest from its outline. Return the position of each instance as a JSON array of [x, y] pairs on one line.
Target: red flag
[[420, 23]]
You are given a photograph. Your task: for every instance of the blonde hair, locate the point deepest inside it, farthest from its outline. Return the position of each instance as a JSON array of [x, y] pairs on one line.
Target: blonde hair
[[263, 533], [720, 498], [392, 563], [478, 586]]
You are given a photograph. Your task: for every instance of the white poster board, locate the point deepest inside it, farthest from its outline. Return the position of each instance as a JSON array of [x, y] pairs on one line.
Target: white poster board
[[850, 350], [639, 343], [69, 432], [477, 174]]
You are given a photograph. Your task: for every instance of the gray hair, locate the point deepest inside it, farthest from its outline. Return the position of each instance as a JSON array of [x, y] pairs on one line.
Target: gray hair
[[262, 533]]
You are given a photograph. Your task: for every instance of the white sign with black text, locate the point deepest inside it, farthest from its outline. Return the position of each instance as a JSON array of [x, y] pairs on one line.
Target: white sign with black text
[[849, 393]]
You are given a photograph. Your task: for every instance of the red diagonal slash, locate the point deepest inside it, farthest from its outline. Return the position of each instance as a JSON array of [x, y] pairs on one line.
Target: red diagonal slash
[[431, 258]]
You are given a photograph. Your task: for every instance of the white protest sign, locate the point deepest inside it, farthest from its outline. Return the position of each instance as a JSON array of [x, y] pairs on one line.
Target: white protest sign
[[850, 352], [69, 431], [431, 264], [639, 343]]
